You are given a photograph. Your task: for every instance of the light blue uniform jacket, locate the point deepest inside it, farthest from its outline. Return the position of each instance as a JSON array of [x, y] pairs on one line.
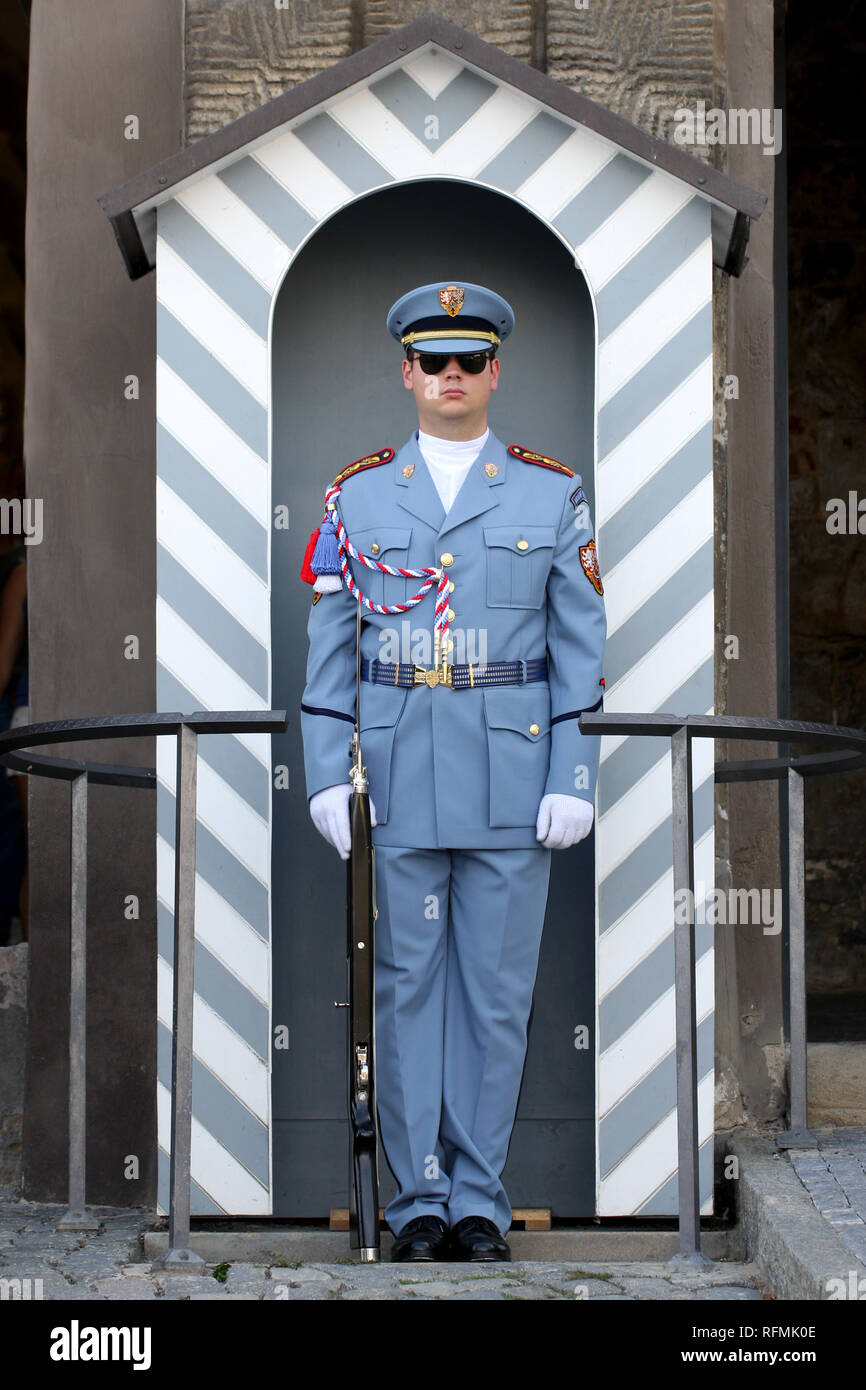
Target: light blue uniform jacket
[[461, 768]]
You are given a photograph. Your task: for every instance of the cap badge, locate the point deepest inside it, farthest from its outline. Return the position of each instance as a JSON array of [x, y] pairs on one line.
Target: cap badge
[[451, 299], [407, 470], [491, 470]]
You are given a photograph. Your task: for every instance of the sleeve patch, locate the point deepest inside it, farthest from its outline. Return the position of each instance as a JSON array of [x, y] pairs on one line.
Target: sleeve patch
[[577, 498], [543, 460], [589, 560]]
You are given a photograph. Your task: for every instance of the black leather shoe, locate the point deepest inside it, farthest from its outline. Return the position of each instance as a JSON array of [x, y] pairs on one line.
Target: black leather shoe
[[476, 1238], [424, 1238]]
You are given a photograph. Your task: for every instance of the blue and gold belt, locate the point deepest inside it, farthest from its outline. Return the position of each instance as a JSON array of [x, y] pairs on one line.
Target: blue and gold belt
[[406, 674]]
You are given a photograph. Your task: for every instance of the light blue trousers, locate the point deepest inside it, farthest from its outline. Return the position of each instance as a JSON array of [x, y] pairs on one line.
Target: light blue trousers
[[457, 942]]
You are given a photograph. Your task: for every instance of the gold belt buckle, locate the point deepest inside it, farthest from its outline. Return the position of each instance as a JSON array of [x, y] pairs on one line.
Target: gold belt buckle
[[441, 675]]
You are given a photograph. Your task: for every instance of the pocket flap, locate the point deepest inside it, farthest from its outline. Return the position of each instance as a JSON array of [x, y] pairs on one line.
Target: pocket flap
[[380, 705], [521, 539], [521, 708], [385, 537]]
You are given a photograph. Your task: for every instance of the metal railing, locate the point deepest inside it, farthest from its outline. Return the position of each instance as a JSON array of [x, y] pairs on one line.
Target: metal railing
[[847, 752], [186, 728]]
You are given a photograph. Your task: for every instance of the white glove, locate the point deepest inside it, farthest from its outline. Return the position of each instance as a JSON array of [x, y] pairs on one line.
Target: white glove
[[329, 809], [563, 820]]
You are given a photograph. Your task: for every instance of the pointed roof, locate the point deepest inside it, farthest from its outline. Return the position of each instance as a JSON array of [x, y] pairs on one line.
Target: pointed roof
[[131, 206]]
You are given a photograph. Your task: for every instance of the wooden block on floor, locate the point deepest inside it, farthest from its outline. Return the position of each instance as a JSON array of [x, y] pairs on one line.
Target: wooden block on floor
[[530, 1218]]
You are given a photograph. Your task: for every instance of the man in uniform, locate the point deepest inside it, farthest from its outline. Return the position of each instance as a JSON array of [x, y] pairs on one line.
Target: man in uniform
[[477, 768]]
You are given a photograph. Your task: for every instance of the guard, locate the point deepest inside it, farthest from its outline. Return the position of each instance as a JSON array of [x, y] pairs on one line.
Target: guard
[[482, 642]]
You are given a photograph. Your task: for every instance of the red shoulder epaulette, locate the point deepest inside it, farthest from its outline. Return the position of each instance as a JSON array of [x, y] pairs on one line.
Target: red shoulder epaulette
[[529, 456], [368, 461]]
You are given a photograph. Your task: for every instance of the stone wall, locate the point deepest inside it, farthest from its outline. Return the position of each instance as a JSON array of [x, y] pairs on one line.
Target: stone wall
[[13, 1048], [639, 58]]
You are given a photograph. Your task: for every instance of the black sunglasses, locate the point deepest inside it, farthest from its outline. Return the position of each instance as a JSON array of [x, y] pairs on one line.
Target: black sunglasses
[[432, 363]]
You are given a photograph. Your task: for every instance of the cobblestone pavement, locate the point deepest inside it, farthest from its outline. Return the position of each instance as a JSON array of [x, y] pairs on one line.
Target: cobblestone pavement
[[108, 1265], [834, 1175]]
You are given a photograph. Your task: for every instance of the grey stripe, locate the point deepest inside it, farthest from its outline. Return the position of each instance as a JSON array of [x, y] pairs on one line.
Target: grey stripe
[[207, 497], [634, 758], [342, 154], [215, 265], [223, 752], [221, 1113], [655, 381], [269, 200], [526, 152], [649, 267], [214, 624], [651, 503], [602, 196], [665, 1200], [658, 616], [211, 381], [219, 988], [645, 865], [219, 868], [453, 107], [647, 1103], [200, 1203], [644, 985]]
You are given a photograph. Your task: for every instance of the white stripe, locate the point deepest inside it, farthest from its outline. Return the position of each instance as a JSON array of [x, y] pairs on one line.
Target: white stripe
[[249, 240], [216, 1171], [643, 927], [227, 816], [310, 182], [207, 437], [634, 223], [433, 70], [478, 141], [655, 322], [659, 554], [194, 663], [668, 665], [219, 1047], [226, 935], [640, 1049], [639, 456], [221, 331], [565, 173], [213, 563], [384, 136], [645, 807], [647, 1166]]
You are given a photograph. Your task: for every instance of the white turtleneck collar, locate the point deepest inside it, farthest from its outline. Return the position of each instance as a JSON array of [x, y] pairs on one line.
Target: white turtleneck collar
[[449, 460]]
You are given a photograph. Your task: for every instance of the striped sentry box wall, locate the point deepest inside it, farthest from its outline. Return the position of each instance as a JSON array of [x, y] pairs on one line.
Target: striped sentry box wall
[[642, 238]]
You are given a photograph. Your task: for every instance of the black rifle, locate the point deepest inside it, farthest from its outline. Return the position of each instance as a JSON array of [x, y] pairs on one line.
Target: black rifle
[[361, 916]]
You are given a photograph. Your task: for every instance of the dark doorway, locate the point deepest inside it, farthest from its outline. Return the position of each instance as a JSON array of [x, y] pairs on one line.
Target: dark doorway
[[337, 395]]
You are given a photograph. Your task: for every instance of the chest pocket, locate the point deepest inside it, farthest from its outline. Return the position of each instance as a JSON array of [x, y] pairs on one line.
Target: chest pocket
[[518, 563], [391, 545]]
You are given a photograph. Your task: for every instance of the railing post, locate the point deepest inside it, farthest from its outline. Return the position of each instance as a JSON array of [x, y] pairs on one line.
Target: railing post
[[799, 1135], [688, 1176], [77, 1217], [179, 1257]]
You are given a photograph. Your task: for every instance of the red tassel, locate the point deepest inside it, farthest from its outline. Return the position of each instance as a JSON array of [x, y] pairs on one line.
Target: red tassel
[[306, 572]]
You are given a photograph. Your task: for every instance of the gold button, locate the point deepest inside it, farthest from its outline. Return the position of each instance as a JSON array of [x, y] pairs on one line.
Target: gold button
[[446, 558], [450, 615], [375, 548], [523, 545], [451, 586], [534, 729]]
